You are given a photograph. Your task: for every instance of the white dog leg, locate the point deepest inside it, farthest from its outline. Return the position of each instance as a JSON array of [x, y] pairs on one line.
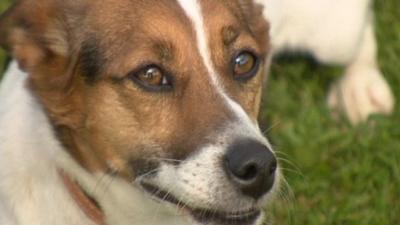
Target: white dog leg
[[363, 90]]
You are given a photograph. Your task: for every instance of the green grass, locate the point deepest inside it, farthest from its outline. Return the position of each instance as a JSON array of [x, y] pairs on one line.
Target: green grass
[[3, 5], [339, 174]]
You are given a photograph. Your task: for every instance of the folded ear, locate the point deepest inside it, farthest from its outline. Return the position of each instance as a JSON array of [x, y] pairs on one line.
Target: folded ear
[[33, 31]]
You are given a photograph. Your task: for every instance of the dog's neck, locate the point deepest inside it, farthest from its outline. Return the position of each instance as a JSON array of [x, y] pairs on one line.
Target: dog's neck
[[88, 205]]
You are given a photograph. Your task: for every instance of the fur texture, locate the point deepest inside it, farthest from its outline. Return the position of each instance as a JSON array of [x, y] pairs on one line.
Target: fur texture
[[28, 152], [30, 187]]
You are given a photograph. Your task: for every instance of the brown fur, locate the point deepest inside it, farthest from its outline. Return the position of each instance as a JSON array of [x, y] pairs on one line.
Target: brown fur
[[80, 68]]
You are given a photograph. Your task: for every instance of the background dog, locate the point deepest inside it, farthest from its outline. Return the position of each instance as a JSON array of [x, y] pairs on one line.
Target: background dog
[[341, 33]]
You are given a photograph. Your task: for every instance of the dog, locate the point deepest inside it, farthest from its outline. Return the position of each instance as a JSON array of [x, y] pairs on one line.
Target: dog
[[141, 112], [134, 112]]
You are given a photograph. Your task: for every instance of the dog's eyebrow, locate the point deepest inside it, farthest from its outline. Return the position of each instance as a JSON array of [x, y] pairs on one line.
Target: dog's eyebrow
[[229, 35], [164, 50], [91, 60]]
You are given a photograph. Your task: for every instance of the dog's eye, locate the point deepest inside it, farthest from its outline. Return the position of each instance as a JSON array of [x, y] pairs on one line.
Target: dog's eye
[[152, 78], [245, 65]]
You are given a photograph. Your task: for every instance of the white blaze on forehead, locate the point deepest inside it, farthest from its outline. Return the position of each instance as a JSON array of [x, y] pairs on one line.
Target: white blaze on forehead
[[194, 12]]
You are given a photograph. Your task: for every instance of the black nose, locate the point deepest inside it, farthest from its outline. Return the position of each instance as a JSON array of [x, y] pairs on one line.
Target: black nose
[[251, 166]]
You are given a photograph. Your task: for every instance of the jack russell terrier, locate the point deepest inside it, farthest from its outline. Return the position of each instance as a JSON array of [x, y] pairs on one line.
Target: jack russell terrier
[[140, 112]]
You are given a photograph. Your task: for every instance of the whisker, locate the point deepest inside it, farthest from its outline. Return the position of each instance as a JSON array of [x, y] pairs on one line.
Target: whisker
[[112, 173], [271, 127], [168, 192], [290, 163], [165, 159], [142, 176], [292, 171], [281, 153], [287, 191], [108, 185], [98, 182], [288, 198]]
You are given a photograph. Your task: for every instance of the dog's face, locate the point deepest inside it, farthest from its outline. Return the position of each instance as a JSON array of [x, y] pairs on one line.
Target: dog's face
[[162, 93]]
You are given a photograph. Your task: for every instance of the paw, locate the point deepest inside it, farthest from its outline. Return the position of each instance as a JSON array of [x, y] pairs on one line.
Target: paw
[[361, 93]]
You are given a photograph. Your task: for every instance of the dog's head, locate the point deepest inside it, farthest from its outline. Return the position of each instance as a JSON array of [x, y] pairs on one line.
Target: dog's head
[[163, 93]]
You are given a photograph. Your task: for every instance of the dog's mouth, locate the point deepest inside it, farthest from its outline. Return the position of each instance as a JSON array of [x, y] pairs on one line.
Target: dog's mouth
[[205, 216]]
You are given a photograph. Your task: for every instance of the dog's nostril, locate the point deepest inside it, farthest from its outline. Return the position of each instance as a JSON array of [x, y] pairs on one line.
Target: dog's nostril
[[248, 172], [251, 167]]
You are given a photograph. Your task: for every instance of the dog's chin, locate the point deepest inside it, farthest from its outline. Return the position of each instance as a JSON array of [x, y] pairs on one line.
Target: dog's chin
[[205, 216]]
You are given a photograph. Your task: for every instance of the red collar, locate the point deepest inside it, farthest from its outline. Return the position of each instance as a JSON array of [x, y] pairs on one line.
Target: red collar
[[85, 203]]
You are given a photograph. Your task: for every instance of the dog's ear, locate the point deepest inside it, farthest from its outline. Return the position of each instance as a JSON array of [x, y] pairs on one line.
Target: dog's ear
[[39, 35], [33, 31]]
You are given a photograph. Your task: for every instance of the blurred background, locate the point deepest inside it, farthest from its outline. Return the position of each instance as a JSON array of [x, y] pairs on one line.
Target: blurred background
[[335, 173]]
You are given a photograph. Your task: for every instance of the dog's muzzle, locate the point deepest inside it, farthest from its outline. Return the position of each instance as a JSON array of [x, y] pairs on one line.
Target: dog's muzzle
[[219, 184]]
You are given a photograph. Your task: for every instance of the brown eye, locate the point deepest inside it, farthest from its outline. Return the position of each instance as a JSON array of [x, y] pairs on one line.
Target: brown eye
[[152, 78], [246, 65]]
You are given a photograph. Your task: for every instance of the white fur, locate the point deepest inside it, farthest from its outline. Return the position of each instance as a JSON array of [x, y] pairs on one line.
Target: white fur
[[193, 10], [330, 30], [200, 180], [29, 185], [123, 203], [335, 32]]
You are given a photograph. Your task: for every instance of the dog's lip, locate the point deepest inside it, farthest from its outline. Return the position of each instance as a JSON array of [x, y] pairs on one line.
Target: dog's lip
[[205, 215]]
